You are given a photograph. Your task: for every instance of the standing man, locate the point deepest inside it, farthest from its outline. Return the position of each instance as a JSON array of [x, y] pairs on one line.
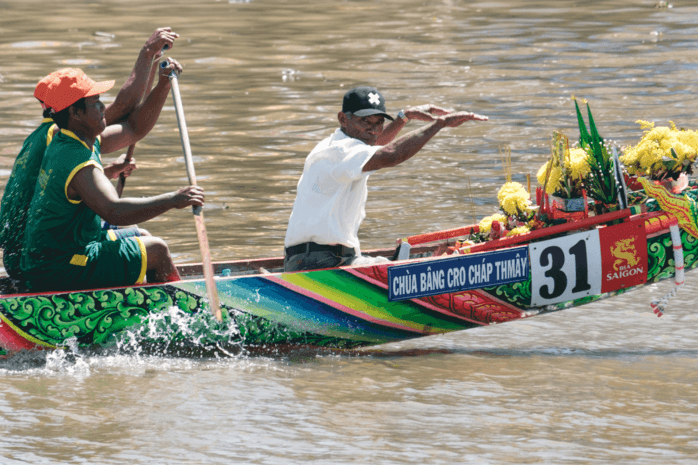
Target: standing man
[[20, 186], [331, 196], [64, 245]]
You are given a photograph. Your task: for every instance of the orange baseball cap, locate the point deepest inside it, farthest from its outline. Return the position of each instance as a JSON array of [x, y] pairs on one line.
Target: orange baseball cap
[[66, 86], [41, 88]]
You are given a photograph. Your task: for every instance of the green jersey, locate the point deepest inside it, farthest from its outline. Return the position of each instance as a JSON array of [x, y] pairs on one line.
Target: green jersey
[[59, 228], [18, 195]]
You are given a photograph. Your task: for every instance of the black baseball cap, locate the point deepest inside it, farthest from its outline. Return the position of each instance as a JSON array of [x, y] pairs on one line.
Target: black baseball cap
[[364, 101]]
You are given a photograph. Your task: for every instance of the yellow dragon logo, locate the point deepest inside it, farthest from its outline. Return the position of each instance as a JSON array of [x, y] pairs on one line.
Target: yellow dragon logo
[[624, 251]]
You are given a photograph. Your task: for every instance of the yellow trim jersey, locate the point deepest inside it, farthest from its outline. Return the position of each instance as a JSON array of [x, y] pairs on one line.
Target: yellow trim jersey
[[65, 247], [57, 226]]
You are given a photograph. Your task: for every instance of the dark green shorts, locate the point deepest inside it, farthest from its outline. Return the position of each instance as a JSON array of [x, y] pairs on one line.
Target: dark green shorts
[[114, 234], [117, 260], [113, 263]]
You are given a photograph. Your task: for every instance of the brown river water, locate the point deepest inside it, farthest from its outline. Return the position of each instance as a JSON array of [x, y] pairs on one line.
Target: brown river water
[[262, 84]]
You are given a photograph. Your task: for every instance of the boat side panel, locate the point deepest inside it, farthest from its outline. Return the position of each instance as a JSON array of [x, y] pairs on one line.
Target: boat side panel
[[660, 255], [365, 298], [91, 317], [263, 297], [660, 258], [14, 339], [495, 304]]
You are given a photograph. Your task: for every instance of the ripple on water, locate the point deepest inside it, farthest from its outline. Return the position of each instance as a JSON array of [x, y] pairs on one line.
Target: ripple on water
[[36, 44]]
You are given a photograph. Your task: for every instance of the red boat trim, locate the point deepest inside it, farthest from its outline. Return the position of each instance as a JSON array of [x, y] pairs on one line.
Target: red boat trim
[[14, 338], [658, 223], [538, 233], [437, 309], [342, 308]]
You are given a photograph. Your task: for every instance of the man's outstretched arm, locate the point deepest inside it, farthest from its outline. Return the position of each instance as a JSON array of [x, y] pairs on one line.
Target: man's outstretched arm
[[421, 113], [405, 147]]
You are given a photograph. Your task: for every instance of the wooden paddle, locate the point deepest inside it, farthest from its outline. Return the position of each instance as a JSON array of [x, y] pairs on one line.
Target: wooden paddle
[[211, 289], [129, 153]]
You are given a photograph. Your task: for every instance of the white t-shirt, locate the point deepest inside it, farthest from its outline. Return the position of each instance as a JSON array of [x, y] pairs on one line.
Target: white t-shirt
[[331, 195]]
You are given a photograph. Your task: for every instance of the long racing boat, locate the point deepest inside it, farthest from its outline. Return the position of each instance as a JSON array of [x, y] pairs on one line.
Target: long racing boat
[[422, 293]]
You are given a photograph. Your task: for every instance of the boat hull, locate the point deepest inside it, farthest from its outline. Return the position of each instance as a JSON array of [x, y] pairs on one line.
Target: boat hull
[[339, 308]]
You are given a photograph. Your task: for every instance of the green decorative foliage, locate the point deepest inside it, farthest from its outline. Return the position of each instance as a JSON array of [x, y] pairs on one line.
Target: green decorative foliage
[[584, 138], [91, 317], [600, 182], [660, 256], [163, 319], [657, 250], [518, 294]]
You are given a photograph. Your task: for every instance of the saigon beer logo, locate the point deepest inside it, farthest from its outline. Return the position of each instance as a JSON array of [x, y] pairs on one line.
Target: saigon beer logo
[[625, 259]]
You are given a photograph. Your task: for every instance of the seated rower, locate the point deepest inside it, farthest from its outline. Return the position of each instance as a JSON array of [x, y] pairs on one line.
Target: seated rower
[[64, 245], [19, 190], [331, 195]]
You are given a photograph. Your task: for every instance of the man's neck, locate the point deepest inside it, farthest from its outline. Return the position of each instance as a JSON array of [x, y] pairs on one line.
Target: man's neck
[[81, 134]]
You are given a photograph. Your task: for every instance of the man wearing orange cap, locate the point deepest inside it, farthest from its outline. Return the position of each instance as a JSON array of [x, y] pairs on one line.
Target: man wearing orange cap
[[20, 187], [65, 247]]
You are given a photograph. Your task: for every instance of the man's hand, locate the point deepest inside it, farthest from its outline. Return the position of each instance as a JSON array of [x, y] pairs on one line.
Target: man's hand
[[161, 37], [172, 65], [453, 120], [118, 166], [188, 196], [425, 112]]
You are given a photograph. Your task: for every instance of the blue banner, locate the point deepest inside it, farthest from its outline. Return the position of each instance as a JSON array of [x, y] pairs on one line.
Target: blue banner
[[457, 273]]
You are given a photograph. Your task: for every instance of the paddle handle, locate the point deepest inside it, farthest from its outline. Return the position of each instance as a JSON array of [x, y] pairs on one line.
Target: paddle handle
[[211, 288], [129, 153], [183, 132]]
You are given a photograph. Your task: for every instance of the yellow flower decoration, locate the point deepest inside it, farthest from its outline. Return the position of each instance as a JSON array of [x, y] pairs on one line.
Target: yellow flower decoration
[[578, 165], [513, 198], [520, 230], [653, 155], [486, 223], [555, 180]]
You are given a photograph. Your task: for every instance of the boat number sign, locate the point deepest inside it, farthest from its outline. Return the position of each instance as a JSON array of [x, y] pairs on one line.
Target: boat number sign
[[587, 264], [458, 273]]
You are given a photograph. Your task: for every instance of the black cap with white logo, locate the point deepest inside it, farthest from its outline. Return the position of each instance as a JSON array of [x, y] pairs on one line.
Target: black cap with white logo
[[364, 101]]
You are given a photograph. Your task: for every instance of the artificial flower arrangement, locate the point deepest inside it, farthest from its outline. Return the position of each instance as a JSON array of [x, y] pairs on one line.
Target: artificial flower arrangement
[[516, 217], [515, 203], [587, 169], [562, 177], [565, 180], [584, 170], [663, 153], [600, 182]]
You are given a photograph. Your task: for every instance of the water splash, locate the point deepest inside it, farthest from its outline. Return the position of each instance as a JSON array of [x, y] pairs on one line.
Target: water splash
[[67, 360], [175, 332]]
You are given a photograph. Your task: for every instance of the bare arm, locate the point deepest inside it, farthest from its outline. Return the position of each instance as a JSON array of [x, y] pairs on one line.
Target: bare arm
[[420, 113], [391, 131], [405, 147], [92, 187], [130, 94], [142, 120]]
